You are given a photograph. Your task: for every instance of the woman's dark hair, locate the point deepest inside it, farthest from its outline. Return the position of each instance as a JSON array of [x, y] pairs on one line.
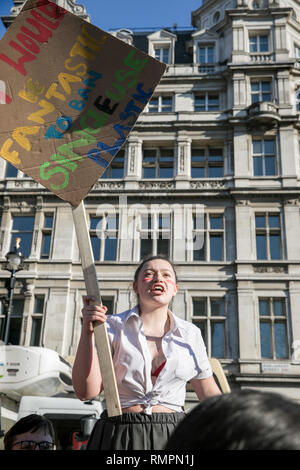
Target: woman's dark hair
[[150, 258], [241, 420], [30, 423]]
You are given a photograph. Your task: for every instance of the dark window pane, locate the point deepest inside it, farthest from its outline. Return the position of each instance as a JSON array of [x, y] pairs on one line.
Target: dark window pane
[[198, 172], [257, 166], [23, 223], [11, 171], [38, 304], [110, 251], [265, 340], [146, 248], [45, 249], [25, 245], [109, 303], [270, 166], [94, 221], [199, 307], [202, 326], [216, 247], [274, 221], [48, 222], [199, 255], [215, 172], [165, 172], [261, 247], [275, 249], [269, 147], [95, 242], [36, 329], [260, 221], [264, 307], [116, 172], [14, 330], [280, 340], [216, 222], [279, 307], [217, 340], [148, 172], [217, 307], [163, 247]]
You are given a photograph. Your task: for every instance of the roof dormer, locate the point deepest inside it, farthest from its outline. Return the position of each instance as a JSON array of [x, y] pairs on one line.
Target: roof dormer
[[161, 45]]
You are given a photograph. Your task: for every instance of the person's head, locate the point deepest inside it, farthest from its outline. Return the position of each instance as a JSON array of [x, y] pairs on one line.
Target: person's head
[[33, 432], [155, 281], [245, 420]]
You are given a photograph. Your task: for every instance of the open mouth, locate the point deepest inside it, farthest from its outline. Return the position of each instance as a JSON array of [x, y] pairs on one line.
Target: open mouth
[[158, 288]]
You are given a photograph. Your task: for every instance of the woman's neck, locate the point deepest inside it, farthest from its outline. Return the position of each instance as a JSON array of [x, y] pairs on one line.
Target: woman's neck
[[156, 322]]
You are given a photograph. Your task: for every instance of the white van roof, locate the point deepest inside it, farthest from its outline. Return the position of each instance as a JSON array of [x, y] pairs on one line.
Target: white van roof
[[58, 405]]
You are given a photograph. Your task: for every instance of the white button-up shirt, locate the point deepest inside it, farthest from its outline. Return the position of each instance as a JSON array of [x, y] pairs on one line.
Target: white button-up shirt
[[185, 354]]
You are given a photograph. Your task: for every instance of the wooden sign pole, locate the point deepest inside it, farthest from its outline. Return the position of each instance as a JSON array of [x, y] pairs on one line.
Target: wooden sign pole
[[101, 338]]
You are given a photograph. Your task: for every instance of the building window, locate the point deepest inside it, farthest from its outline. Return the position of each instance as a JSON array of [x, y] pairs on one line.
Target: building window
[[206, 54], [297, 100], [15, 325], [22, 227], [155, 233], [261, 91], [37, 320], [210, 237], [268, 236], [11, 171], [259, 43], [109, 302], [158, 163], [104, 237], [264, 157], [162, 54], [116, 169], [47, 236], [297, 52], [160, 104], [273, 328], [206, 102], [207, 163], [209, 315]]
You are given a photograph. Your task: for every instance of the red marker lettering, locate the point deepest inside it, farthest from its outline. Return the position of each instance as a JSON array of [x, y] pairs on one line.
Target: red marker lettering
[[44, 33], [19, 65], [28, 43]]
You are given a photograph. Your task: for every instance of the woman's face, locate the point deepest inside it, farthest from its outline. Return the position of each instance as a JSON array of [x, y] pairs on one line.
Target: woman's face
[[156, 283]]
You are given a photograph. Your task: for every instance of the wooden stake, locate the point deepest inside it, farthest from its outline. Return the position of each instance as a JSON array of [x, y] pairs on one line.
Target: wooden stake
[[101, 338]]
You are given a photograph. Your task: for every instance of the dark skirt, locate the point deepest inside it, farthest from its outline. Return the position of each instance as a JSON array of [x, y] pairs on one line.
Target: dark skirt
[[133, 431]]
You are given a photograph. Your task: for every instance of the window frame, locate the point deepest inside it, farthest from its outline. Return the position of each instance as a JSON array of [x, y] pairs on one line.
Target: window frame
[[208, 319], [206, 163], [264, 155], [155, 231], [158, 163], [207, 106], [258, 36], [267, 231], [36, 316], [206, 233], [117, 162], [160, 105], [105, 233], [260, 92], [272, 319]]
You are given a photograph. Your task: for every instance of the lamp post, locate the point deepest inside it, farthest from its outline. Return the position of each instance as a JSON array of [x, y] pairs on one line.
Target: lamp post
[[14, 264]]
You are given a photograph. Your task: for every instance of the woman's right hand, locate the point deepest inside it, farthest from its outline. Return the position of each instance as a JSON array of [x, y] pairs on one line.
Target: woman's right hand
[[92, 313]]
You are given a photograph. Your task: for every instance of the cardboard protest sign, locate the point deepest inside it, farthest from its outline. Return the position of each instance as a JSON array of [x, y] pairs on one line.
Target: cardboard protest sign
[[72, 94]]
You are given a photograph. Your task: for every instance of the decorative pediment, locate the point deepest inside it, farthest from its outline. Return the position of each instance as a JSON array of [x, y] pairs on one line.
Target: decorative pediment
[[205, 35], [162, 34]]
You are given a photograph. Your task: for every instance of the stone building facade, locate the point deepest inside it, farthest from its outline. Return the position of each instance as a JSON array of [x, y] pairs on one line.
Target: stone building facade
[[210, 175]]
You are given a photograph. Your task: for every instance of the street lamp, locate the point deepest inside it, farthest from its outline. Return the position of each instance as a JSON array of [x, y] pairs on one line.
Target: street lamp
[[14, 264]]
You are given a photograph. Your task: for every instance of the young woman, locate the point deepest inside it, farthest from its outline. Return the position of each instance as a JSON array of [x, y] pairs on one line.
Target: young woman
[[155, 354]]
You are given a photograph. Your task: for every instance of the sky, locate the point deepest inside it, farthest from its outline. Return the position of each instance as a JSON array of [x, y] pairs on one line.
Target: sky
[[116, 14]]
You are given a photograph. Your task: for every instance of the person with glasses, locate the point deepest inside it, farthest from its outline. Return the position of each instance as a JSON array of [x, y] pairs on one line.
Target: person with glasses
[[33, 432]]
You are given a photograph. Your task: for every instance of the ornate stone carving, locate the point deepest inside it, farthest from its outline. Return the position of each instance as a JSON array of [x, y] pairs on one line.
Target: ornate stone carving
[[112, 185], [69, 5], [156, 184], [207, 184], [270, 269]]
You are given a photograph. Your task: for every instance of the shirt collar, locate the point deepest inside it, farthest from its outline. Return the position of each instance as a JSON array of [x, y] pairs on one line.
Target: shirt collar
[[177, 324]]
